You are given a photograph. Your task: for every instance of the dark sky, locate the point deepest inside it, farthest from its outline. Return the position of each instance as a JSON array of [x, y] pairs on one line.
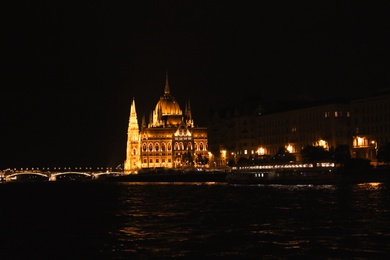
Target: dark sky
[[70, 69]]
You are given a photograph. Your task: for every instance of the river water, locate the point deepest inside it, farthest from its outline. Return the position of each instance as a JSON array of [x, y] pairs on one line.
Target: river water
[[108, 220]]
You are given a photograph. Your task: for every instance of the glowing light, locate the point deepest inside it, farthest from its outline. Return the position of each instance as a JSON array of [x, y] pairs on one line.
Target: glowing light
[[369, 185], [260, 151], [289, 148], [322, 143]]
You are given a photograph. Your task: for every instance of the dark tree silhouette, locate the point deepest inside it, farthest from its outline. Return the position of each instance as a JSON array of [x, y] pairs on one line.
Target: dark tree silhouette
[[342, 153], [187, 158], [201, 160], [283, 156], [314, 153], [384, 153]]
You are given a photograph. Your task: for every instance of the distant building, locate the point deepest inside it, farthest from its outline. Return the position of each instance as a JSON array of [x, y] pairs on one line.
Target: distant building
[[168, 140], [370, 125], [362, 124]]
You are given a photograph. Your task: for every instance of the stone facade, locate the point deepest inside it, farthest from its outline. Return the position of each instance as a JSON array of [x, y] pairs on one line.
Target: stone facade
[[362, 124], [169, 140]]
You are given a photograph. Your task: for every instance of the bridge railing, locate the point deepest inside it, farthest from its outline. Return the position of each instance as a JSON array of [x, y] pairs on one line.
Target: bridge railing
[[51, 176]]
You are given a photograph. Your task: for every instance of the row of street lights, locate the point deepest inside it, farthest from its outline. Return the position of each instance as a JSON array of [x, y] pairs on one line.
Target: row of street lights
[[61, 169]]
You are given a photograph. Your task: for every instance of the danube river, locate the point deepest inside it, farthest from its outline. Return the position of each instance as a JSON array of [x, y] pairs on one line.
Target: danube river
[[108, 220]]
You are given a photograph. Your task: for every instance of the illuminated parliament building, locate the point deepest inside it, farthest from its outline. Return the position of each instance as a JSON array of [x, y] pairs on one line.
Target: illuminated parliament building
[[169, 140]]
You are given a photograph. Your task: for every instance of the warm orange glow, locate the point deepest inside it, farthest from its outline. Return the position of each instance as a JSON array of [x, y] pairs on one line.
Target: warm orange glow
[[323, 144], [360, 141], [260, 151], [289, 148], [369, 185], [223, 153]]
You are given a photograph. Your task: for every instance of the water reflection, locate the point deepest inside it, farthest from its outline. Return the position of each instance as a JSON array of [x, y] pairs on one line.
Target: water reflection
[[272, 221], [194, 220], [370, 185]]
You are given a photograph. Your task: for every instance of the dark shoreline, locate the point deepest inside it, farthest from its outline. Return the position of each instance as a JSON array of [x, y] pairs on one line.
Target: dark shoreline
[[180, 176], [225, 177]]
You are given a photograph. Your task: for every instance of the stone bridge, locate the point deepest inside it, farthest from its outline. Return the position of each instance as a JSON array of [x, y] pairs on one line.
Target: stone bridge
[[12, 176]]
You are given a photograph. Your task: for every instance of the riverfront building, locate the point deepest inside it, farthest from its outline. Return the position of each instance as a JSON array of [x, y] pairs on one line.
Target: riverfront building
[[362, 124], [370, 125], [168, 140]]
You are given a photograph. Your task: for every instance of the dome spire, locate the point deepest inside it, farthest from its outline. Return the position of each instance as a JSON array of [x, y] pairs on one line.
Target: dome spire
[[166, 90]]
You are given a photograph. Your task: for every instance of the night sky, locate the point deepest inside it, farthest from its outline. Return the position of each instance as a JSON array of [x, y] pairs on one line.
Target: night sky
[[70, 69]]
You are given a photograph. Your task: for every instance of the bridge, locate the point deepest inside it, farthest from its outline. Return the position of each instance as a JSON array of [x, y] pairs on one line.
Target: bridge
[[37, 176]]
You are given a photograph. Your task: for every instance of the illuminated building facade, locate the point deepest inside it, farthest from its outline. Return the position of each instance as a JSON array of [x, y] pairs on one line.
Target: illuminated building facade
[[370, 124], [362, 124], [168, 140]]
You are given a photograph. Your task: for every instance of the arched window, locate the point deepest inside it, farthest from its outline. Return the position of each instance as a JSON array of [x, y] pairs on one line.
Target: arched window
[[195, 146], [163, 147], [134, 152], [176, 147], [157, 146], [201, 146], [150, 147], [169, 147], [189, 146], [144, 147]]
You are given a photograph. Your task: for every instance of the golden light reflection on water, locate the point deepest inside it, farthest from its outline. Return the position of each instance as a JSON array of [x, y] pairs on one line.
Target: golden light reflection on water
[[369, 185], [132, 231]]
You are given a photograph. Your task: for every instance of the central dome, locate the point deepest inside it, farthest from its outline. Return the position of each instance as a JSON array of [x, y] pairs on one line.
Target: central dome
[[167, 106], [167, 111]]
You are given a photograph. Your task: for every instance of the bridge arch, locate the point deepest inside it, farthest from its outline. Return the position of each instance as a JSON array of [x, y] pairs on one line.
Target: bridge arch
[[26, 176], [70, 176]]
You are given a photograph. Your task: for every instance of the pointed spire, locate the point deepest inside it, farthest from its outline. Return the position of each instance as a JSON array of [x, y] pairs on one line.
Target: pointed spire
[[188, 111], [132, 108], [133, 121], [166, 90]]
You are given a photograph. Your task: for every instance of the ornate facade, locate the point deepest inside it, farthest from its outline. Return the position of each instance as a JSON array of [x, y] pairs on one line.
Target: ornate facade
[[169, 140]]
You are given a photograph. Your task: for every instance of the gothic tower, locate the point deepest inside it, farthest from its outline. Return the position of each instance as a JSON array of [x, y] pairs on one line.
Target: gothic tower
[[168, 140], [133, 161]]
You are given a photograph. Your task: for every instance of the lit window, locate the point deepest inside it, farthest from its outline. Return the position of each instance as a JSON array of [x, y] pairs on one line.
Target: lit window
[[327, 114]]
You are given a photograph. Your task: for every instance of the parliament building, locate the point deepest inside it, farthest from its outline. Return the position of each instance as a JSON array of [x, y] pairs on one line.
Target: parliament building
[[169, 140]]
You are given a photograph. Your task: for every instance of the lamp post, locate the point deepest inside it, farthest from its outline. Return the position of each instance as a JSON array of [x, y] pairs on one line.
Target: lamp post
[[374, 152]]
